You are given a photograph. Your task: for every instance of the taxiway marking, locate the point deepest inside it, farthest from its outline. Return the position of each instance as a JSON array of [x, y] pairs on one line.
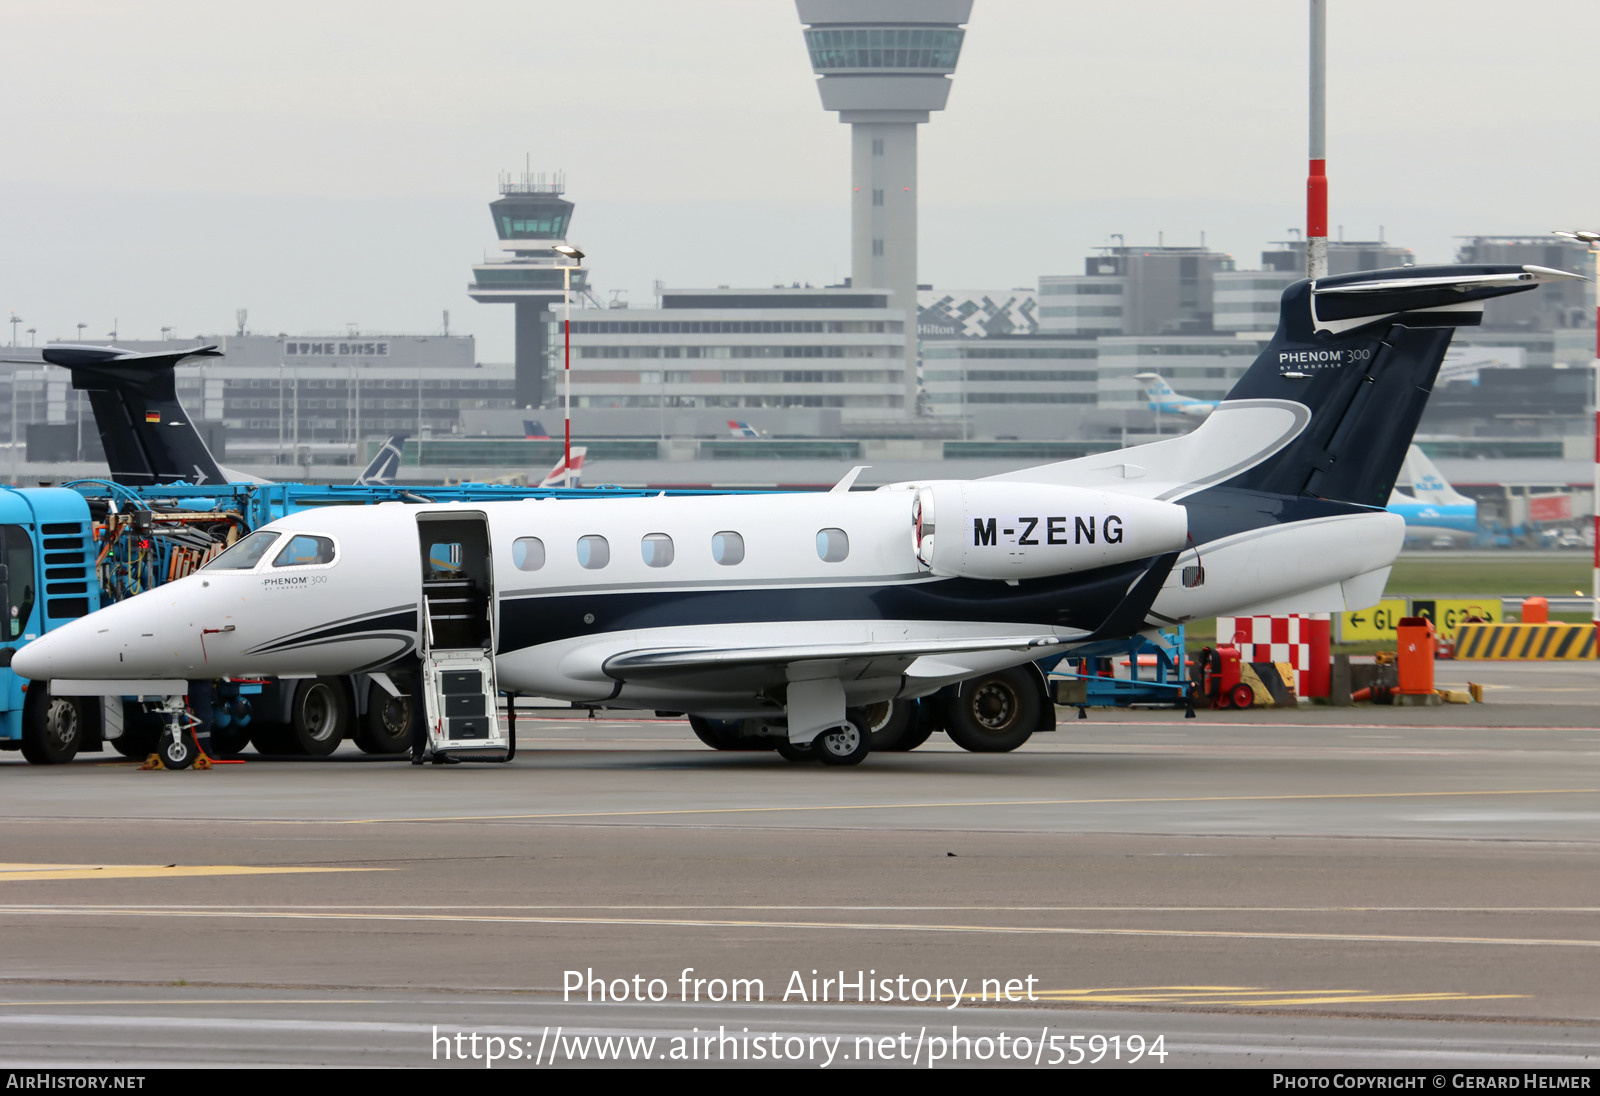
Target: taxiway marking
[[293, 914], [1246, 997], [974, 803], [24, 873]]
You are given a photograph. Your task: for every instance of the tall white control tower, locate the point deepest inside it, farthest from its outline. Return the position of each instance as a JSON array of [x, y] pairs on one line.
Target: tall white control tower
[[885, 65]]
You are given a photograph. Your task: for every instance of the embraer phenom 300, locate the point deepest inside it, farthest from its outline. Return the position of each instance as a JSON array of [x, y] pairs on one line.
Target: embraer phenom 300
[[786, 615]]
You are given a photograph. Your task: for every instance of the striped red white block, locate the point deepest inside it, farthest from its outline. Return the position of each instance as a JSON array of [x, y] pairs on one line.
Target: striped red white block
[[1271, 638]]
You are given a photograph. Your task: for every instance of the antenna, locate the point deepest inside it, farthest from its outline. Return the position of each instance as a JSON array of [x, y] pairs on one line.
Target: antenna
[[242, 315]]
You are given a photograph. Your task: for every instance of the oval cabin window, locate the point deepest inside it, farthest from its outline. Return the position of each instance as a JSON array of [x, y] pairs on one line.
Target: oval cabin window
[[593, 552], [727, 548], [527, 553], [657, 549], [832, 545]]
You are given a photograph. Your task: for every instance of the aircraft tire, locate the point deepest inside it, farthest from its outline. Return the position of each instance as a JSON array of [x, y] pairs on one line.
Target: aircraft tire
[[891, 725], [177, 749], [919, 728], [53, 727], [719, 734], [319, 717], [790, 752], [997, 712], [727, 734], [846, 745], [386, 728]]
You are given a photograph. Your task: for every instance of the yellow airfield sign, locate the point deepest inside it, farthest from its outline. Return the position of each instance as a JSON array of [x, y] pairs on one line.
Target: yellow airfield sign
[[1380, 621]]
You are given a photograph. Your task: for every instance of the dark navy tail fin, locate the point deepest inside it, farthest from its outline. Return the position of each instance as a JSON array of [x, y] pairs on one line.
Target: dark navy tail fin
[[1360, 352], [385, 466], [147, 436]]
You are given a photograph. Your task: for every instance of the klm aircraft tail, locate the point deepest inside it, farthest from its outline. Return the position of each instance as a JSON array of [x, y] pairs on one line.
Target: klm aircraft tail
[[1428, 483], [1156, 388], [147, 436]]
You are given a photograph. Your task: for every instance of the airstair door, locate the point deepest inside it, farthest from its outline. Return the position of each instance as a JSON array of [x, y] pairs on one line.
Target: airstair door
[[458, 682]]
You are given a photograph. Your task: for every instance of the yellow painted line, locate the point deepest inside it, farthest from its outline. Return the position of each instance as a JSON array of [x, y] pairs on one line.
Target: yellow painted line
[[168, 1003], [1163, 993], [825, 926], [973, 803], [1381, 998], [25, 873]]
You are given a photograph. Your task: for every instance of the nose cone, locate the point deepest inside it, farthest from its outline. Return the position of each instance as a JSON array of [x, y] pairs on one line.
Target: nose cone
[[67, 652], [143, 637]]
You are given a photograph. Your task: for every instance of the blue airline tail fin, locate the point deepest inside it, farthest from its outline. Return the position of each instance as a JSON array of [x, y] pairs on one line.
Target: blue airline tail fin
[[385, 465]]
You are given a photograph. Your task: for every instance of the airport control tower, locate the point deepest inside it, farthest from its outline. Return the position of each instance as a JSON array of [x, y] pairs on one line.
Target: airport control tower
[[530, 217], [885, 65]]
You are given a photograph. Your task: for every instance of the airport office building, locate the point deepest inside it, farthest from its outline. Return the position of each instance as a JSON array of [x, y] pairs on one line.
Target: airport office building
[[272, 393], [1053, 363]]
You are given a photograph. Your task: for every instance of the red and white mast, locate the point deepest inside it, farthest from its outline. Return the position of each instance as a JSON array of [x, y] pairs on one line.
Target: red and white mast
[[1317, 177]]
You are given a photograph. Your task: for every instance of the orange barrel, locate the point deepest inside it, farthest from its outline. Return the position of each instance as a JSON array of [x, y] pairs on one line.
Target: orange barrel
[[1417, 643], [1535, 610]]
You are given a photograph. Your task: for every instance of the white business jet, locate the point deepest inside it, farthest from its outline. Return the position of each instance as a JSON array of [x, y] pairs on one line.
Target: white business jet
[[782, 617]]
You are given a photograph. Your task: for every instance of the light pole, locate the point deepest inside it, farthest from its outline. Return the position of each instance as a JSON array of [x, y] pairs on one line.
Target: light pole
[[81, 326], [1593, 240], [576, 258], [1317, 173]]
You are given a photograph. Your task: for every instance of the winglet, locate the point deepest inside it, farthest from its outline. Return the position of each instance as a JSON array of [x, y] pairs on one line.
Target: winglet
[[844, 485]]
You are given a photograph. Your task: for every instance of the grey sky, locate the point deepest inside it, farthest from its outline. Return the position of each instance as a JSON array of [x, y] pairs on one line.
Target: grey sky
[[329, 163]]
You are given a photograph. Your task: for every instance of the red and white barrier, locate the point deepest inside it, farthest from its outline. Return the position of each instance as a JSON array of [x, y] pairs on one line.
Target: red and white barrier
[[1300, 641]]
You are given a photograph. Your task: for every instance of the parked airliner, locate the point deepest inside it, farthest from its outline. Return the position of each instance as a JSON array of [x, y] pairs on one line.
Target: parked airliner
[[783, 616], [1433, 508], [1163, 398]]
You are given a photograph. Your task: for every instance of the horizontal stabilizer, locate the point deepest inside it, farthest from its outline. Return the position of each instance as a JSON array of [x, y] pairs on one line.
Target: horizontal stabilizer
[[1347, 301], [147, 436]]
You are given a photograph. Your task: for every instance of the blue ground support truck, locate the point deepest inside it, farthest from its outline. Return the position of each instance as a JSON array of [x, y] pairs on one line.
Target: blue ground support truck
[[65, 552], [47, 577]]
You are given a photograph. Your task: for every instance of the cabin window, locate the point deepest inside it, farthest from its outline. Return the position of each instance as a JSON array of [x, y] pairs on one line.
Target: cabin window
[[727, 548], [244, 554], [527, 553], [657, 549], [302, 549], [832, 545], [593, 552]]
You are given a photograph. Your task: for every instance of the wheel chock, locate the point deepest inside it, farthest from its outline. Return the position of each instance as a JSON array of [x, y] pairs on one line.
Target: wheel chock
[[201, 762], [152, 762], [1476, 690]]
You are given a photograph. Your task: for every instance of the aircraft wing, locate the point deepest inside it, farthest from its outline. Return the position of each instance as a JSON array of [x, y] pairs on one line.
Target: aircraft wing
[[662, 661]]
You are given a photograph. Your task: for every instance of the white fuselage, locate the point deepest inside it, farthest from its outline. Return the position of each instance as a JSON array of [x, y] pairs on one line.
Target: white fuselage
[[670, 602]]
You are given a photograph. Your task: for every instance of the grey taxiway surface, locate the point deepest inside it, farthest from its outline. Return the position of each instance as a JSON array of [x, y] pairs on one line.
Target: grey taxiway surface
[[1324, 887]]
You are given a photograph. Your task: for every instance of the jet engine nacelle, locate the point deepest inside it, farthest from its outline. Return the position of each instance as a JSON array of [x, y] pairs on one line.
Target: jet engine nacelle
[[989, 530]]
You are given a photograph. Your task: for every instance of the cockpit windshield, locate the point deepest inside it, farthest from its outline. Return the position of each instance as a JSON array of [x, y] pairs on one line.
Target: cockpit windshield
[[244, 554]]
